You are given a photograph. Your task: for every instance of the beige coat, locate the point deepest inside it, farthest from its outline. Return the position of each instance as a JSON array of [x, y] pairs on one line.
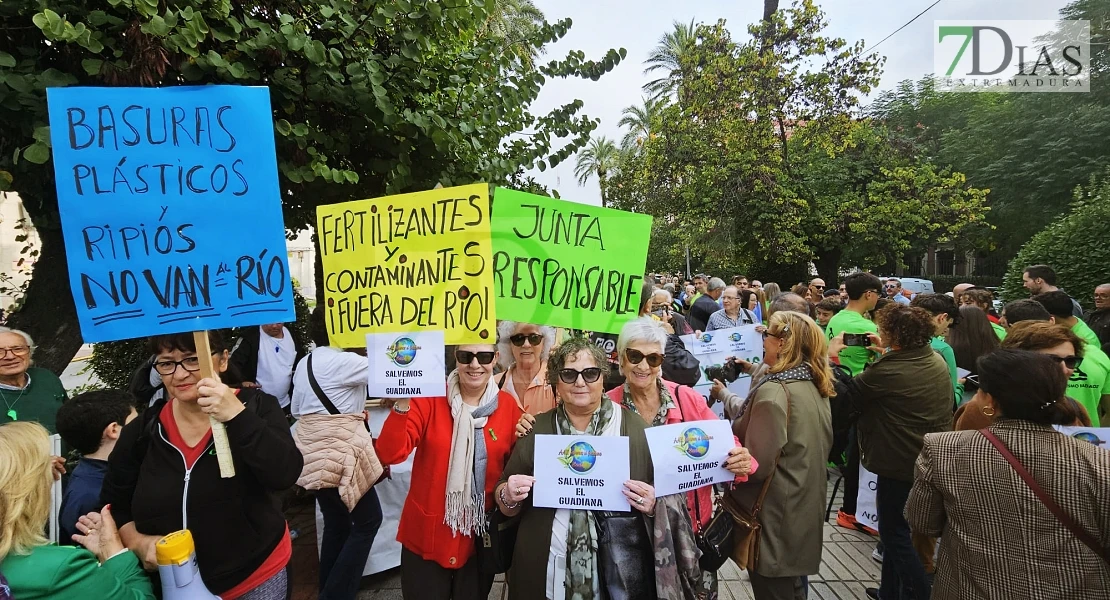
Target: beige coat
[[338, 453], [793, 512]]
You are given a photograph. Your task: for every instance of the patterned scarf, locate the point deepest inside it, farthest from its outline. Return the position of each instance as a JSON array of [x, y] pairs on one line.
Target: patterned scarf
[[466, 466], [666, 403], [802, 372], [583, 579]]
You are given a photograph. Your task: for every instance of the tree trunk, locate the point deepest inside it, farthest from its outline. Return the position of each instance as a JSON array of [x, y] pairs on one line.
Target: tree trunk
[[770, 7], [48, 313], [828, 267], [318, 269]]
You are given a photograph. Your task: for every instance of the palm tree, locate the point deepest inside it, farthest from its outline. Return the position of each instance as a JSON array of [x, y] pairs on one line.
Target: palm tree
[[513, 21], [667, 57], [638, 120], [598, 158]]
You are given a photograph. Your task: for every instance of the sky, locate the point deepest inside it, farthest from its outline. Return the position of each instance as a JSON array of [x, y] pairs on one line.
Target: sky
[[637, 25]]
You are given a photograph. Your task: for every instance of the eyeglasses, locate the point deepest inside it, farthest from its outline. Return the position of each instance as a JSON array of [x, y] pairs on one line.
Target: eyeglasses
[[1070, 362], [589, 375], [767, 334], [519, 339], [820, 287], [17, 351], [890, 287], [465, 357], [636, 357], [169, 367]]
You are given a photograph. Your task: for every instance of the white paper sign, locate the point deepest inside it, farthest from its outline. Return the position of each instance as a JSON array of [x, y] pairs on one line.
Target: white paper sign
[[406, 365], [867, 510], [689, 455], [581, 472], [713, 348], [1099, 436], [961, 373]]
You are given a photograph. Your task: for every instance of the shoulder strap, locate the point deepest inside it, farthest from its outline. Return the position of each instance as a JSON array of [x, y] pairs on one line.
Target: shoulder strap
[[774, 469], [1045, 499], [319, 392], [501, 383]]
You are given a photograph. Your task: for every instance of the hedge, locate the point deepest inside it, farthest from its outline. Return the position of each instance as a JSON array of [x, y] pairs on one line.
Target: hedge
[[1076, 246]]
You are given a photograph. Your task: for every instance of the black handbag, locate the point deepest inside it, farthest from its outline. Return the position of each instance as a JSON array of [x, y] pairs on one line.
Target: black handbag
[[715, 541], [626, 556], [494, 548]]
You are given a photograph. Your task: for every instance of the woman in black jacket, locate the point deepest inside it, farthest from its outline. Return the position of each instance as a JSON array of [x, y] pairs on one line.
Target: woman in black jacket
[[163, 475]]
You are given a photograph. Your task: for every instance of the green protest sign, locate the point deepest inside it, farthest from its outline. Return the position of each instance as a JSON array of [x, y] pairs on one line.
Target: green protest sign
[[566, 264]]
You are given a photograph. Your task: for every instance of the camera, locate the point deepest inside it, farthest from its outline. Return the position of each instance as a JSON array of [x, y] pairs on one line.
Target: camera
[[862, 340], [727, 372]]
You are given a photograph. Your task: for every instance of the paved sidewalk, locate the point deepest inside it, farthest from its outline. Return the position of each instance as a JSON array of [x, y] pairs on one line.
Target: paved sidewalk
[[846, 568]]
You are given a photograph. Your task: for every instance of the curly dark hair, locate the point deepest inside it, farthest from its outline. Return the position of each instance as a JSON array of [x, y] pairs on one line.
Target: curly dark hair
[[570, 348], [905, 327]]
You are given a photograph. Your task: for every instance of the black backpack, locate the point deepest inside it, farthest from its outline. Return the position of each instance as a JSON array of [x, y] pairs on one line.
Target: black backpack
[[844, 413]]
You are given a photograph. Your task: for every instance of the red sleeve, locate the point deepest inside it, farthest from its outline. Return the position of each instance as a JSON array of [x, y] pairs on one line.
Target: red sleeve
[[693, 405], [402, 433]]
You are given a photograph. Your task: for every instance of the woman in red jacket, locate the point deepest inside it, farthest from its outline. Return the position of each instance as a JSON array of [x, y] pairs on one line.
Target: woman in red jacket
[[462, 443]]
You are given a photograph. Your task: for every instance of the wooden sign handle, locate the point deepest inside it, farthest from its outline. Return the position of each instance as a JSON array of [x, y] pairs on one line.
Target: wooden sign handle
[[219, 432]]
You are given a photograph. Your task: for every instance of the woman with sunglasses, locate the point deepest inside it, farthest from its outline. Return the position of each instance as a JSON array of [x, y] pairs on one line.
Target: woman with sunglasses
[[163, 475], [523, 348], [462, 442], [1057, 342], [661, 402], [556, 554], [787, 425]]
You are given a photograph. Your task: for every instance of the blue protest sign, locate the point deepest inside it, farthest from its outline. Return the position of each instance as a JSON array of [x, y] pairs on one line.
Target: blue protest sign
[[171, 210]]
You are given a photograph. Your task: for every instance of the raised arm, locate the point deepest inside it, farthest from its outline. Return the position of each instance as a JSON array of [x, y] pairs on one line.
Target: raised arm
[[403, 429]]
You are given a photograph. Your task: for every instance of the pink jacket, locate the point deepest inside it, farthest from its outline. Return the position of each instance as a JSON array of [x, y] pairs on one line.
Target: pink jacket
[[691, 407]]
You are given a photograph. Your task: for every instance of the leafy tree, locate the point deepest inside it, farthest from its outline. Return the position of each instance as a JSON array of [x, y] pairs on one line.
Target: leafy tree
[[598, 158], [1030, 150], [638, 120], [668, 57], [367, 99], [1075, 245], [874, 200]]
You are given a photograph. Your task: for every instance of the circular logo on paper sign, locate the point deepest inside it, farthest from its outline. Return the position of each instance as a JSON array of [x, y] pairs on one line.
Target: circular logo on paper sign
[[705, 337], [579, 457], [402, 351], [734, 337], [1087, 436], [694, 443]]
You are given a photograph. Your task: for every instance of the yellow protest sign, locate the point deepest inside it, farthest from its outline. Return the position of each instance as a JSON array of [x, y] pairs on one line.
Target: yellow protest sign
[[408, 263]]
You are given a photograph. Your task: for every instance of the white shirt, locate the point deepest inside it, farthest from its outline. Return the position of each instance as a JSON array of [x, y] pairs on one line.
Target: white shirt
[[342, 378], [275, 364], [557, 559]]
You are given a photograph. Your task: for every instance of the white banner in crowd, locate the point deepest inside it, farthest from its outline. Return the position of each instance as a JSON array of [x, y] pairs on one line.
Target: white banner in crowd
[[867, 510], [406, 365], [583, 472], [713, 348], [1099, 436], [689, 455]]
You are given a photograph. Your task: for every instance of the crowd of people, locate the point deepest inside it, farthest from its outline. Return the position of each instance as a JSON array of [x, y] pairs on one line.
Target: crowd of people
[[951, 406]]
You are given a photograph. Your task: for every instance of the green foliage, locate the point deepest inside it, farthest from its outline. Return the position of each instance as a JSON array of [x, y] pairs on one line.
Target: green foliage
[[1075, 246], [598, 158], [114, 362], [1030, 150], [668, 56]]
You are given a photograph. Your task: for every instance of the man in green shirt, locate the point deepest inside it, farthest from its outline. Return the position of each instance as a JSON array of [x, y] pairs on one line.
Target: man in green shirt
[[945, 314], [1058, 304], [1089, 385], [26, 393], [864, 291]]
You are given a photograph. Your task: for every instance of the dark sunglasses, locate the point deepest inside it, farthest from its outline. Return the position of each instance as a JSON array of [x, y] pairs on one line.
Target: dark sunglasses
[[465, 357], [767, 334], [636, 357], [820, 287], [589, 375], [1070, 362], [532, 338]]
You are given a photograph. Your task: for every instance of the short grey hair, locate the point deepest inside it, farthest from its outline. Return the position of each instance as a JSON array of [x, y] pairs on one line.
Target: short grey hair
[[506, 329], [788, 302], [570, 348], [26, 336], [715, 284], [663, 292], [642, 329]]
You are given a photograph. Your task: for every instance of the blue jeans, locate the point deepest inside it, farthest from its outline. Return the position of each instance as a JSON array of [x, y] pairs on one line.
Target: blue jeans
[[903, 575], [346, 542]]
